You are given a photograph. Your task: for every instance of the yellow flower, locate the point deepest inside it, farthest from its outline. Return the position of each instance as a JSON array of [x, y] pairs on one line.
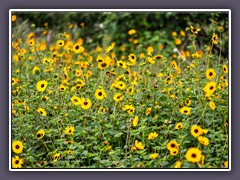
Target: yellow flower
[[118, 97], [69, 130], [56, 156], [76, 100], [14, 18], [172, 145], [148, 111], [86, 103], [135, 121], [210, 73], [193, 155], [42, 85], [153, 156], [40, 134], [178, 41], [174, 151], [203, 140], [36, 70], [109, 48], [178, 126], [226, 164], [225, 69], [139, 145], [212, 105], [132, 31], [152, 135], [41, 111], [197, 130], [17, 147], [17, 162], [214, 38], [100, 94], [195, 30], [178, 164], [185, 110]]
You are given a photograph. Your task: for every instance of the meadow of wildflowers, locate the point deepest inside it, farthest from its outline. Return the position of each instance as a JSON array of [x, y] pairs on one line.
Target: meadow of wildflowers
[[119, 90]]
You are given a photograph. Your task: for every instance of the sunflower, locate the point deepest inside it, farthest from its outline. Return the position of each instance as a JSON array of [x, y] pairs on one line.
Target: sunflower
[[178, 41], [40, 134], [86, 103], [212, 105], [139, 145], [178, 126], [214, 38], [76, 100], [152, 135], [62, 88], [36, 70], [56, 156], [193, 155], [109, 48], [17, 147], [60, 43], [77, 48], [226, 164], [135, 121], [69, 130], [153, 156], [185, 110], [120, 85], [174, 65], [203, 140], [210, 73], [118, 97], [129, 108], [42, 85], [41, 111], [225, 69], [14, 18], [100, 94], [172, 145], [188, 101], [122, 64], [148, 111], [197, 130], [132, 57], [195, 30], [178, 164], [31, 42], [210, 88], [103, 65], [174, 151], [17, 162]]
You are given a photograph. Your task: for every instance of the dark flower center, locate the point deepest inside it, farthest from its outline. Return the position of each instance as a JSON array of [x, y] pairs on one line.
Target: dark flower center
[[44, 99], [75, 100], [173, 145], [85, 103], [41, 112], [210, 74], [70, 131], [42, 85], [104, 64], [100, 93], [196, 130], [211, 88], [62, 88], [185, 111], [17, 147], [194, 155], [17, 162], [132, 57], [77, 47], [38, 135]]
